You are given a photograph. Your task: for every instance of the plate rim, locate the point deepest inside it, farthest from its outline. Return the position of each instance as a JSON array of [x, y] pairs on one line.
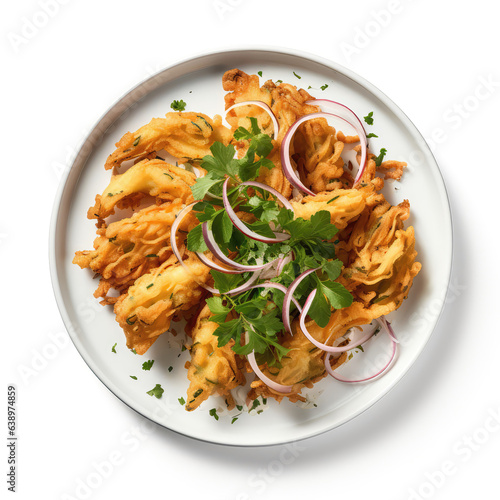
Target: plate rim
[[112, 109]]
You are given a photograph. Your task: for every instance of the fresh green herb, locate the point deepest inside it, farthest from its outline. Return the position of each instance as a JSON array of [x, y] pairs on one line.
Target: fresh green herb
[[234, 420], [182, 401], [113, 348], [380, 298], [239, 407], [157, 391], [133, 376], [130, 318], [149, 286], [213, 413], [168, 175], [147, 365], [256, 403], [178, 105], [299, 77], [151, 255], [279, 81], [133, 351], [369, 118], [360, 348], [380, 158], [333, 199], [259, 73], [324, 87], [197, 126], [137, 139], [170, 368], [197, 393], [370, 135]]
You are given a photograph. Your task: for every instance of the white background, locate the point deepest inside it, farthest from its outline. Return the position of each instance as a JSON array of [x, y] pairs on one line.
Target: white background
[[432, 59]]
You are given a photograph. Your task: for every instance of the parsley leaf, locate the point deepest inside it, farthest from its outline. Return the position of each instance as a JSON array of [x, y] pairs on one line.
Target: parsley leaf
[[147, 365], [204, 184], [213, 413], [370, 135], [380, 158], [195, 241], [178, 105], [113, 348], [156, 391], [324, 87], [369, 118], [299, 77]]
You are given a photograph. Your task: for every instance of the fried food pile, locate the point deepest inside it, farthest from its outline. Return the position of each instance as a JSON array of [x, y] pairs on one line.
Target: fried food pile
[[148, 288]]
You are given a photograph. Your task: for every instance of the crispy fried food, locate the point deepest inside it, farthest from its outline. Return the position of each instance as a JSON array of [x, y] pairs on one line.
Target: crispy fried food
[[146, 310], [287, 104], [131, 247], [344, 205], [148, 177], [213, 369], [379, 276], [180, 134]]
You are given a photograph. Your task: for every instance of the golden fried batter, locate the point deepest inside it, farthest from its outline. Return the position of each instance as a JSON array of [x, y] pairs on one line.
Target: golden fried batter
[[148, 177], [149, 305], [213, 369], [180, 134], [131, 247]]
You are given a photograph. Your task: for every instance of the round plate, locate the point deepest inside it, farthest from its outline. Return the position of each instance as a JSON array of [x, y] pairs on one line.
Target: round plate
[[94, 330]]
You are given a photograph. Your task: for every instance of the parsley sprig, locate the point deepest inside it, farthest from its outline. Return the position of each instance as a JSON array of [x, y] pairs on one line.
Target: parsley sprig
[[253, 319]]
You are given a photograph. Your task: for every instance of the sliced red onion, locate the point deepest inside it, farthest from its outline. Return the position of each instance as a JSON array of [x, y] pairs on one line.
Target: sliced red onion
[[214, 248], [175, 250], [389, 329], [270, 383], [262, 105], [279, 237], [212, 265], [289, 296], [278, 286], [325, 347], [352, 118], [282, 263], [285, 149], [383, 322]]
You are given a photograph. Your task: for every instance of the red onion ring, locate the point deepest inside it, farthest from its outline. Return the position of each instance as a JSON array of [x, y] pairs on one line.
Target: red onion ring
[[279, 237], [214, 248], [348, 114], [285, 150], [175, 250], [278, 286], [383, 322], [288, 298], [270, 383], [262, 105]]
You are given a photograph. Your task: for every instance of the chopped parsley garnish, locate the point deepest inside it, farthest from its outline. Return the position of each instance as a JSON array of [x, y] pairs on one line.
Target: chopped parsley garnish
[[380, 158], [170, 368], [253, 319], [157, 391], [279, 81], [299, 77], [182, 401], [178, 105], [324, 87], [213, 413], [149, 286], [370, 135], [369, 118], [133, 350], [133, 376], [259, 73], [137, 139], [234, 420], [113, 348], [239, 407], [147, 365]]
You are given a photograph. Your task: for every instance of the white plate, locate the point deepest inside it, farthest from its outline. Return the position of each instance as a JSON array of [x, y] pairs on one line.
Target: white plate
[[93, 328]]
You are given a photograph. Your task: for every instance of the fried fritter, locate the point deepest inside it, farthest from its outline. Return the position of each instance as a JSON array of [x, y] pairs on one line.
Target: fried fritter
[[146, 310], [213, 369], [148, 177], [180, 134], [287, 104], [131, 247]]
